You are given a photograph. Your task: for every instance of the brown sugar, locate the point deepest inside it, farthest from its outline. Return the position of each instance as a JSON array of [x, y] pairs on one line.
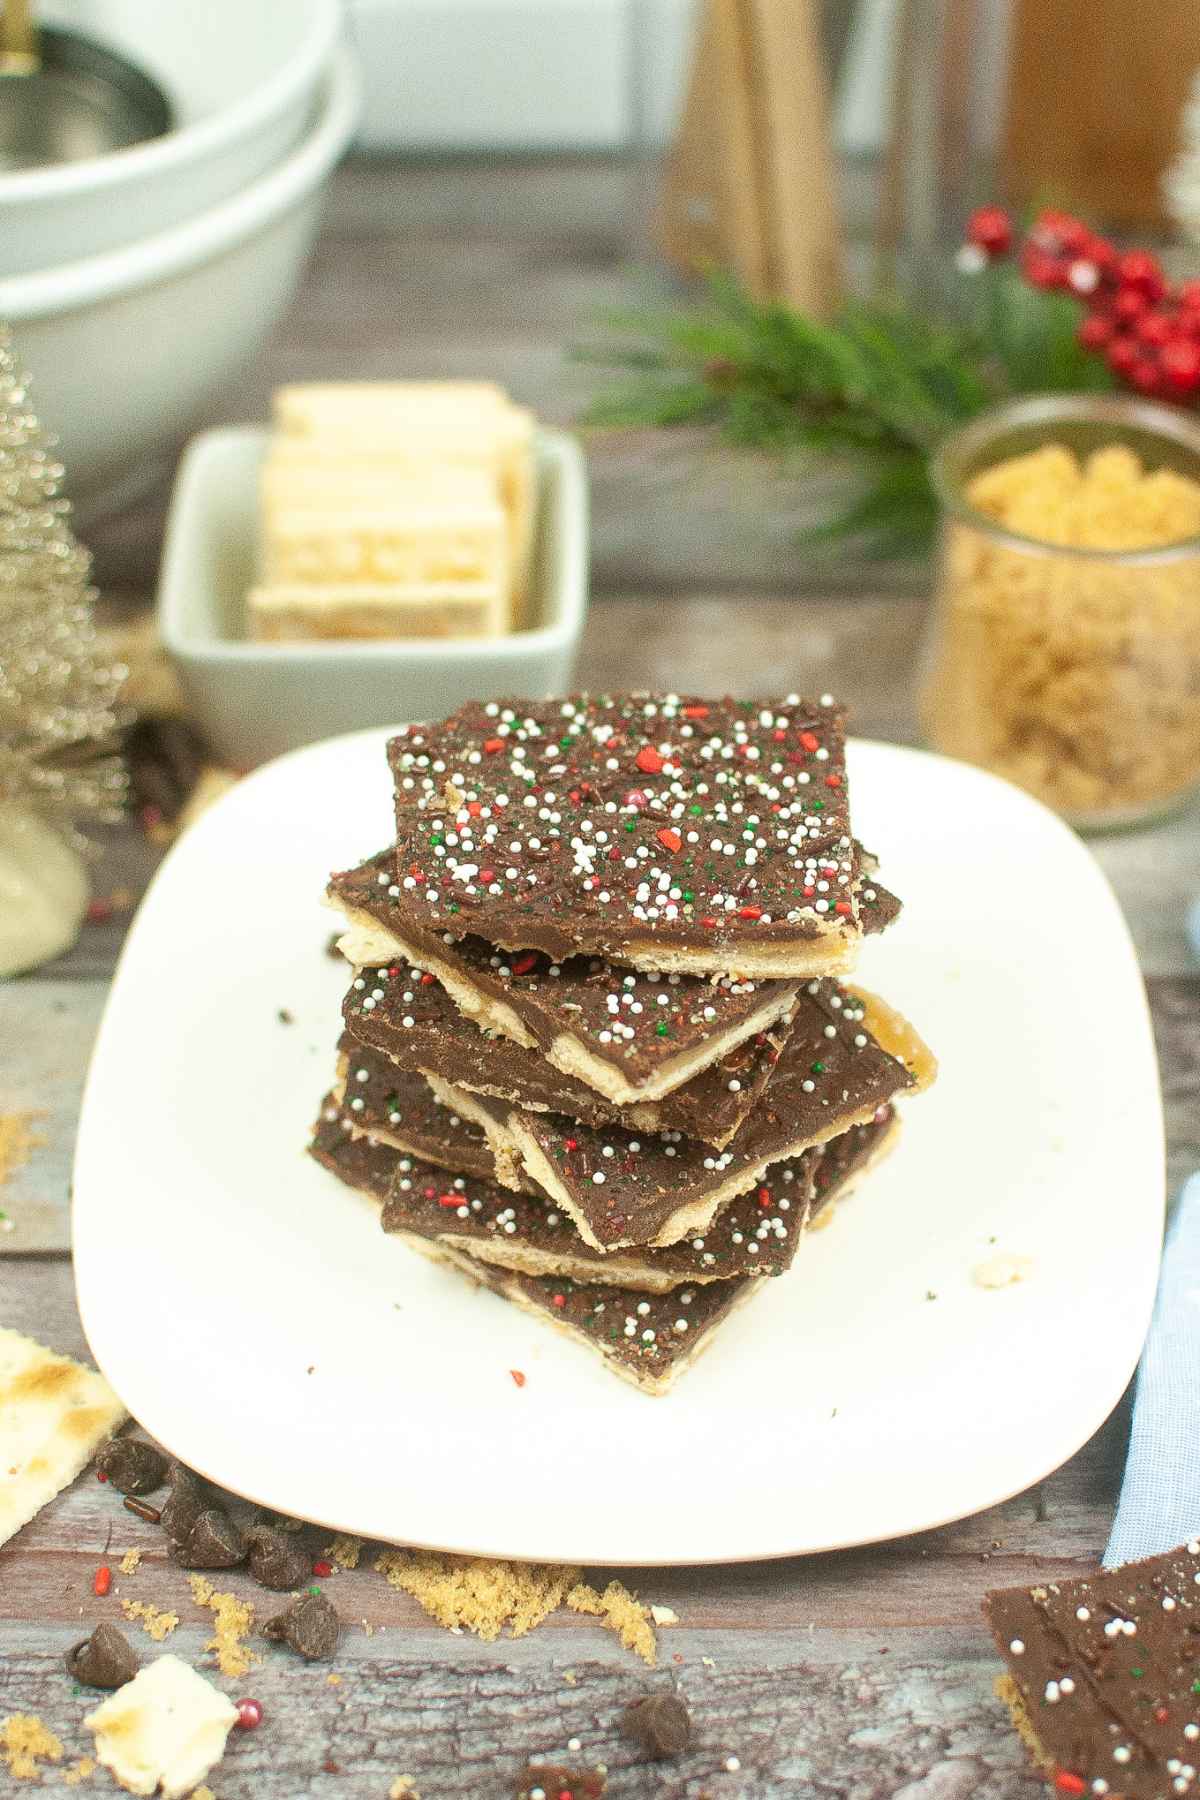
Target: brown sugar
[[234, 1622], [154, 1621], [1076, 676], [477, 1594], [24, 1743], [622, 1612]]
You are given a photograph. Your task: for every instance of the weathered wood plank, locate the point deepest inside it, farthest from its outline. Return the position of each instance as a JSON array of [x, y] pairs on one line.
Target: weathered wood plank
[[45, 1043]]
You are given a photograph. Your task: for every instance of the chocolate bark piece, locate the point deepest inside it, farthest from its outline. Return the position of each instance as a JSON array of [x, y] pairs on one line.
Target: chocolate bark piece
[[708, 835], [756, 1235], [646, 1338], [409, 1016], [629, 1036], [622, 1188], [1103, 1675], [398, 1107]]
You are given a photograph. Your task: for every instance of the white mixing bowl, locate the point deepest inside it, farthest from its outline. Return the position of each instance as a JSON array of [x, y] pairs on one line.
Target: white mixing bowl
[[125, 351], [242, 76]]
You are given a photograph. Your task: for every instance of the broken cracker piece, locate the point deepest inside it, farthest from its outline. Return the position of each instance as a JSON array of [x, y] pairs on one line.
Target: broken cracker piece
[[477, 1593], [167, 1727], [53, 1414], [621, 1612], [24, 1743]]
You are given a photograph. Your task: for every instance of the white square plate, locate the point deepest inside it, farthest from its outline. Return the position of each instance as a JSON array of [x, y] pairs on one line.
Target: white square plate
[[252, 1315]]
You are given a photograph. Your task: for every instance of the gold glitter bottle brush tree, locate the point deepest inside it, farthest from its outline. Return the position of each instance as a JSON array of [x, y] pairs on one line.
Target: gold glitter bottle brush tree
[[58, 726]]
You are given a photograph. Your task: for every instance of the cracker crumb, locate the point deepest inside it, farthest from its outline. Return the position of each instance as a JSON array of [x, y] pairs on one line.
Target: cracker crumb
[[128, 1564], [664, 1615], [203, 1793], [403, 1789], [344, 1551], [24, 1743], [156, 1623], [1002, 1271], [234, 1622], [621, 1612], [709, 1662], [570, 1677], [333, 1681], [18, 1141], [79, 1772], [477, 1593]]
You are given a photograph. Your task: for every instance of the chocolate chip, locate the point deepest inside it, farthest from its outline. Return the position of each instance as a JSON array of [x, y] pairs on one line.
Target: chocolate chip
[[661, 1723], [276, 1560], [133, 1466], [184, 1504], [105, 1660], [310, 1625], [214, 1542]]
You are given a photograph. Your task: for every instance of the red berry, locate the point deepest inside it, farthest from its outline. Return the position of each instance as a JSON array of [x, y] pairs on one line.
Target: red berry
[[1189, 295], [1041, 269], [249, 1714], [1098, 250], [1129, 304], [1146, 375], [1122, 354], [1180, 364], [1153, 328], [990, 229], [1139, 270], [1095, 332], [1060, 231]]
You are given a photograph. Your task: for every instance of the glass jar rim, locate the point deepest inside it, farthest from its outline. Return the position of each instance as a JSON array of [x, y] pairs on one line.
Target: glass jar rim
[[1118, 410]]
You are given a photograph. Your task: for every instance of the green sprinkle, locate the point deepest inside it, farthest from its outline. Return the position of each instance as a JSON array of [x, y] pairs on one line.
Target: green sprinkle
[[688, 894], [314, 1590], [1196, 1687], [818, 1068], [696, 810], [661, 1029], [629, 824], [1138, 1672], [436, 838], [818, 805]]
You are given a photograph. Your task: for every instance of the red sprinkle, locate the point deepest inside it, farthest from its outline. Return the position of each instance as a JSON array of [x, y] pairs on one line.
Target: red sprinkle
[[491, 745], [98, 911], [322, 1568], [709, 924], [648, 760], [100, 1475], [834, 781], [518, 1376], [749, 912], [570, 1143], [1068, 1783], [487, 876], [764, 1197], [474, 808], [450, 1199], [559, 1299], [670, 840], [427, 979], [249, 1714], [695, 712], [1161, 1714], [102, 1580], [842, 906], [522, 964], [810, 740]]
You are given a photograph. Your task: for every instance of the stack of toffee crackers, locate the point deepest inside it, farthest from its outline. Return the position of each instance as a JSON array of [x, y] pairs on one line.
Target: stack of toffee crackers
[[394, 510], [597, 1054]]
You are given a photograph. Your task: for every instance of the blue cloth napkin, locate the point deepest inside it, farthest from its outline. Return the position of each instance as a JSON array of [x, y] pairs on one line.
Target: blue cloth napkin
[[1160, 1494]]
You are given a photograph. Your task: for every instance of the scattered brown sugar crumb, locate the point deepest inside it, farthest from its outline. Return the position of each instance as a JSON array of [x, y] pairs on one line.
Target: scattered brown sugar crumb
[[476, 1593], [203, 1793], [345, 1552], [128, 1564], [24, 1743], [401, 1789], [17, 1141], [156, 1623], [234, 1622], [617, 1608], [80, 1771]]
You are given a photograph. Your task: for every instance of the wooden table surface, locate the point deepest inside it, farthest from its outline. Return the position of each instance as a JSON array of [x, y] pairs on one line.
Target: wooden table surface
[[839, 1677]]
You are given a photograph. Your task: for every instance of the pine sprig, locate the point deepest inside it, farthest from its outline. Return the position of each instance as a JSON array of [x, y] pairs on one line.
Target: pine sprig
[[877, 387]]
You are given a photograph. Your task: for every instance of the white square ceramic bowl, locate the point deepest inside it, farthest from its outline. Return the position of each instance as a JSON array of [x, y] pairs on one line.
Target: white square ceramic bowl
[[254, 701]]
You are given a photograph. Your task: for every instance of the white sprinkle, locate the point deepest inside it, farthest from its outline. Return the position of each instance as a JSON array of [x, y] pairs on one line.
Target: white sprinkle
[[574, 1744], [1082, 1614], [732, 1764], [1121, 1753], [598, 1178], [1017, 1647]]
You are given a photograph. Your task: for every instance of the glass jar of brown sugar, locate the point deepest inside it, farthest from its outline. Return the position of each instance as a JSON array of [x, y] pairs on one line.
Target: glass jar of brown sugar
[[1064, 646]]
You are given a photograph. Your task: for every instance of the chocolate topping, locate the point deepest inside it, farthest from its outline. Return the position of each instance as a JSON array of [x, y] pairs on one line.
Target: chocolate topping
[[660, 1723], [703, 825], [309, 1626], [132, 1466], [1107, 1670], [214, 1542], [397, 1105], [105, 1660]]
